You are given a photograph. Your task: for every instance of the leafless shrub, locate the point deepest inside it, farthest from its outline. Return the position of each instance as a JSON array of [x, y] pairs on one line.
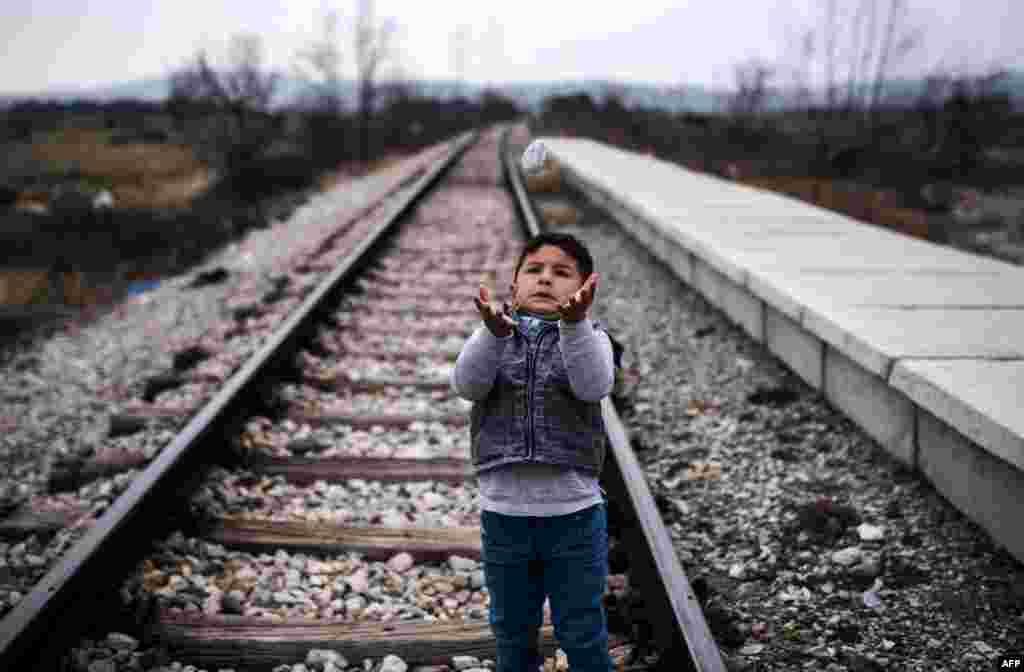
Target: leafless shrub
[[374, 46], [233, 102]]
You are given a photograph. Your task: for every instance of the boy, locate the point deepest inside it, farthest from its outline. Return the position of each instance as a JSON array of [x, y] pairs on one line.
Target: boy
[[536, 374]]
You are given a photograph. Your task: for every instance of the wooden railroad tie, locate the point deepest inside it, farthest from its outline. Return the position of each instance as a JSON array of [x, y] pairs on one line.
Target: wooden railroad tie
[[332, 381], [414, 311], [452, 276], [406, 355], [141, 413], [26, 521], [424, 544], [303, 471], [251, 643], [403, 331], [368, 421], [388, 292]]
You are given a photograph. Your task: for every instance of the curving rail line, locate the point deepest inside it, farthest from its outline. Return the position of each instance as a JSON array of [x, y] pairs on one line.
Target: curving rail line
[[79, 596]]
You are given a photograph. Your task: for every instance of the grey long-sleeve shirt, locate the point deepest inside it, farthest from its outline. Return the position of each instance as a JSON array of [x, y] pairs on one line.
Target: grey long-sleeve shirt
[[538, 489]]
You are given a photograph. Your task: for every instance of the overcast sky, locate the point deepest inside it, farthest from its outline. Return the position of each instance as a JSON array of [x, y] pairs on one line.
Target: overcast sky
[[69, 43]]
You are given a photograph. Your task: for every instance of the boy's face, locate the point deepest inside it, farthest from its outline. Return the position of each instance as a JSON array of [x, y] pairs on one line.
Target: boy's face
[[546, 280]]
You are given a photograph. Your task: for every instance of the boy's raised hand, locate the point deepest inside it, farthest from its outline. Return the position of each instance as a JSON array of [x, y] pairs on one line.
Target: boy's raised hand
[[497, 321], [579, 303]]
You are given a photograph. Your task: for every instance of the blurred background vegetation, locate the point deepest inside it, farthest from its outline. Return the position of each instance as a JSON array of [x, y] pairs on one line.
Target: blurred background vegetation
[[98, 194]]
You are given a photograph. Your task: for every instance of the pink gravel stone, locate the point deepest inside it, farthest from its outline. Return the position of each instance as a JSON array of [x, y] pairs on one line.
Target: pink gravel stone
[[359, 582], [400, 562]]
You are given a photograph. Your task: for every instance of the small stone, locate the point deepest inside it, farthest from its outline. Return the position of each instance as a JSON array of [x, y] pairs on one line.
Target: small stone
[[465, 662], [393, 663], [431, 500], [750, 588], [868, 568], [400, 563], [122, 642], [983, 648], [846, 556], [460, 564], [320, 658], [869, 532], [359, 582], [752, 649]]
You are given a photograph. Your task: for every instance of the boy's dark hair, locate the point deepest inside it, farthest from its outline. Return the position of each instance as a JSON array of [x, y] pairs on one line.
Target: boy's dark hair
[[584, 264], [567, 243]]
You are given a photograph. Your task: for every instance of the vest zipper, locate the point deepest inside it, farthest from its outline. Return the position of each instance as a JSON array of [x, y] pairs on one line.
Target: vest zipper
[[530, 361], [531, 358]]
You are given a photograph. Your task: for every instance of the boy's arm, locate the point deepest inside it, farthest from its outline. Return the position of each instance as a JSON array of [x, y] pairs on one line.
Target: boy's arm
[[477, 364], [587, 353]]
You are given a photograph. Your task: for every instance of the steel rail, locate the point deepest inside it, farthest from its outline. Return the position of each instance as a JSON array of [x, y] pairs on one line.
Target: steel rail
[[67, 601], [655, 570]]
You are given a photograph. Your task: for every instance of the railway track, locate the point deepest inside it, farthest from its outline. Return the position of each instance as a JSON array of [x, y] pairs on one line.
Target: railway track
[[309, 499]]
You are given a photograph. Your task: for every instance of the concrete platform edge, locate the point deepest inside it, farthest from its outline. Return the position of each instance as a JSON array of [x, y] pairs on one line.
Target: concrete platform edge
[[859, 387]]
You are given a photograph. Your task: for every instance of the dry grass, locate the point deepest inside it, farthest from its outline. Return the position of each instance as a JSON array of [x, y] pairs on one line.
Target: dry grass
[[28, 287], [23, 287], [138, 174]]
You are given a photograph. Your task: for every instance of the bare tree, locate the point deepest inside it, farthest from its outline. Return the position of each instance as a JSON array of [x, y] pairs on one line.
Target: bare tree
[[796, 68], [752, 79], [373, 46], [898, 41], [494, 47], [855, 47], [320, 67], [829, 32], [875, 47], [459, 44], [240, 95]]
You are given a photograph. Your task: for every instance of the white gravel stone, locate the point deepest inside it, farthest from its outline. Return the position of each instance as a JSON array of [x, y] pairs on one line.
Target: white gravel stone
[[460, 564], [869, 532], [318, 658], [846, 556], [392, 663]]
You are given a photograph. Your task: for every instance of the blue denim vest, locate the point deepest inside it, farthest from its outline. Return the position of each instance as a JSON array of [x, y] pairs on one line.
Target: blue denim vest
[[531, 414]]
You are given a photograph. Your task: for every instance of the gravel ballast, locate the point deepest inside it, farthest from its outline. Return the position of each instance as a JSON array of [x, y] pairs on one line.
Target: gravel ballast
[[59, 389], [809, 547]]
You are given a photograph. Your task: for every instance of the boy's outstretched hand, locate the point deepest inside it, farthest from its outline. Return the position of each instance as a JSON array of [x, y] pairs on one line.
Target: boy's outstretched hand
[[493, 315], [579, 303]]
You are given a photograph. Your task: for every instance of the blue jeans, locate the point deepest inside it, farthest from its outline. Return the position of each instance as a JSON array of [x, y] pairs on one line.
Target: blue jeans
[[565, 558]]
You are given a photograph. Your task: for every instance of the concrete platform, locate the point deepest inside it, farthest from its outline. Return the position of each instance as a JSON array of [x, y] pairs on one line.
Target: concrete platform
[[922, 345]]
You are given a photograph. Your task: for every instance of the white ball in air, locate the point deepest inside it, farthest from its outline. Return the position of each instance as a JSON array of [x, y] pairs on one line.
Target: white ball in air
[[534, 157]]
